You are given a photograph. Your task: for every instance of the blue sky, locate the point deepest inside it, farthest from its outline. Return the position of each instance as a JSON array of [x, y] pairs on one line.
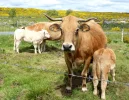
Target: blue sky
[[81, 5]]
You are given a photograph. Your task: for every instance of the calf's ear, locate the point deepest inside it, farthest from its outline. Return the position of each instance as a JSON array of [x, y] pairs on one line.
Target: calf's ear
[[55, 27], [84, 27]]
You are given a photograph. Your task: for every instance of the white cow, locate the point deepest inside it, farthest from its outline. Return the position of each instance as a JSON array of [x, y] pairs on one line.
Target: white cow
[[36, 37]]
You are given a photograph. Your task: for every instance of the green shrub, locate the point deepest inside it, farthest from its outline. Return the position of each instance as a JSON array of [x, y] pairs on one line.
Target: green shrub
[[12, 13], [115, 29], [68, 11], [52, 12], [126, 29], [109, 40], [126, 38]]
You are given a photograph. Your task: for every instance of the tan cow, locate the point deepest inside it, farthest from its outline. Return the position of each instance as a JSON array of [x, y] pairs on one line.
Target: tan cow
[[80, 41], [103, 62], [54, 35]]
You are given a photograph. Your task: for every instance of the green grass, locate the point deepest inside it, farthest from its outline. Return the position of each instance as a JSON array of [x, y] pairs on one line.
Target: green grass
[[22, 79]]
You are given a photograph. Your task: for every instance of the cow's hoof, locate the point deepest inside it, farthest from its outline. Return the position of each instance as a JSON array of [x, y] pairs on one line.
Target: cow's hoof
[[103, 98], [68, 89], [95, 92], [84, 89]]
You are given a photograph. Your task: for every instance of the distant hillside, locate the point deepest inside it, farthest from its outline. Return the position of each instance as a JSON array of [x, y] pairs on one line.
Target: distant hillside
[[38, 13]]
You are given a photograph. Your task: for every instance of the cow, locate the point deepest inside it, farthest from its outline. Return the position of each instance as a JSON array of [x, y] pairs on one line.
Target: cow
[[81, 38], [104, 60], [30, 36], [54, 35]]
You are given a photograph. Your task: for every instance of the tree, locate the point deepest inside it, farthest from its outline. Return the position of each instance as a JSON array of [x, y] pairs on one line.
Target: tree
[[52, 13], [68, 11], [12, 13]]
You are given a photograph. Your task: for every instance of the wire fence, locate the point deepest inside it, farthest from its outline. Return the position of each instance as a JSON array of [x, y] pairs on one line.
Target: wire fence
[[90, 78], [8, 25]]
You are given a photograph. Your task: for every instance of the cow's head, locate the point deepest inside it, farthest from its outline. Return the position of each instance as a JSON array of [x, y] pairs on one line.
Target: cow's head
[[69, 28]]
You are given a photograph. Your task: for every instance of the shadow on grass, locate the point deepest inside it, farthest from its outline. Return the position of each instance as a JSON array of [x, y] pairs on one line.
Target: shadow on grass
[[30, 49], [76, 81]]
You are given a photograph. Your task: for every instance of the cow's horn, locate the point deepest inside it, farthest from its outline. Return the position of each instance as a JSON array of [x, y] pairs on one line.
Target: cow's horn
[[53, 19], [83, 20]]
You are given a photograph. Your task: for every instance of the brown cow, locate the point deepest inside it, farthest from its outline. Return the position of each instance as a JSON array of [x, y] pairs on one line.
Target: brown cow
[[54, 35], [80, 41], [103, 62]]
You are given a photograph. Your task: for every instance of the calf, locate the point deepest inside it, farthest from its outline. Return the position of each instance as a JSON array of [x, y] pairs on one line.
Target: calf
[[103, 62], [36, 37], [54, 35]]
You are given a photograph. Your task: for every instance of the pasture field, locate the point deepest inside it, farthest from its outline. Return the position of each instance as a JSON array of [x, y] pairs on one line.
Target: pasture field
[[24, 76]]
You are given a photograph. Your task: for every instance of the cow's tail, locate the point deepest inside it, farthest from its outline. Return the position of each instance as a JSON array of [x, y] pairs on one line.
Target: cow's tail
[[98, 70]]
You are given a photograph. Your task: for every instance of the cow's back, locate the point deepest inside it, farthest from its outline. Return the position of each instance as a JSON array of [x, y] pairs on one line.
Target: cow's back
[[105, 57], [90, 41]]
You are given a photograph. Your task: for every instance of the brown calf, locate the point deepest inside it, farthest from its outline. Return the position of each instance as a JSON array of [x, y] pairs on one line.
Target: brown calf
[[103, 62]]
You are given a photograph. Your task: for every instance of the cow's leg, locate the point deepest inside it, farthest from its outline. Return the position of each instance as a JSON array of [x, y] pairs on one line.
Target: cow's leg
[[95, 78], [14, 48], [35, 47], [104, 78], [84, 74], [39, 50], [17, 45], [43, 46], [70, 72]]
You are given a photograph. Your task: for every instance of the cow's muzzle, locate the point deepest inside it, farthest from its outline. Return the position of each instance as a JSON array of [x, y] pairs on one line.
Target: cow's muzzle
[[68, 47]]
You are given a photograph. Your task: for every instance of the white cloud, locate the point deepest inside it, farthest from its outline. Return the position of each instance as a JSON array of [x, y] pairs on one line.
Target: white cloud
[[28, 3], [99, 2], [83, 5]]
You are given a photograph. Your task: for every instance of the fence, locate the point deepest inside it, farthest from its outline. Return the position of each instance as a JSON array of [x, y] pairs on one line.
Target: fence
[[63, 73], [10, 24]]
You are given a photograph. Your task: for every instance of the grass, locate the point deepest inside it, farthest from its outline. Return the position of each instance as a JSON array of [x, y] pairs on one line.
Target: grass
[[22, 79]]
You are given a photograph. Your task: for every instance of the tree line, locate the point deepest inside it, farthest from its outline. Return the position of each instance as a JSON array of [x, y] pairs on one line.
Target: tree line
[[31, 12]]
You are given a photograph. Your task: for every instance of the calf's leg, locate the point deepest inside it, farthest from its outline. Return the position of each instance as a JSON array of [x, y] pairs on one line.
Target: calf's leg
[[95, 78], [17, 46], [113, 72], [35, 47], [39, 50], [104, 79]]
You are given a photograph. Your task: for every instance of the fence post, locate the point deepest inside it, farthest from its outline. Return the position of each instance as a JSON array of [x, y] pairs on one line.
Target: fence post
[[122, 33]]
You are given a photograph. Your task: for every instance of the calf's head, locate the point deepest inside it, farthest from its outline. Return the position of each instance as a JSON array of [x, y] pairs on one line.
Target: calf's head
[[45, 34]]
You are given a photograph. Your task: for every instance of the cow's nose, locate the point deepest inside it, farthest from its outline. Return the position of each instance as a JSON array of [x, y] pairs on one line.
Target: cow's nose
[[67, 47]]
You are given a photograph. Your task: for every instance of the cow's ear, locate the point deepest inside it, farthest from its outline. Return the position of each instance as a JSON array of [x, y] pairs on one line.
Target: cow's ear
[[84, 27], [55, 27]]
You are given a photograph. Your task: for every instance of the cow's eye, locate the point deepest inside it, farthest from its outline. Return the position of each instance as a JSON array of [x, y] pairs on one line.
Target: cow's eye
[[76, 32]]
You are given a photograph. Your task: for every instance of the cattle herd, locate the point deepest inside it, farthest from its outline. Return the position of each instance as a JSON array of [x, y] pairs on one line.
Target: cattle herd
[[83, 40]]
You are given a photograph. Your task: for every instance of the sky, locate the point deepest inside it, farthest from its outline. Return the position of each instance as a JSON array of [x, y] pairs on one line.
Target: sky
[[80, 5]]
